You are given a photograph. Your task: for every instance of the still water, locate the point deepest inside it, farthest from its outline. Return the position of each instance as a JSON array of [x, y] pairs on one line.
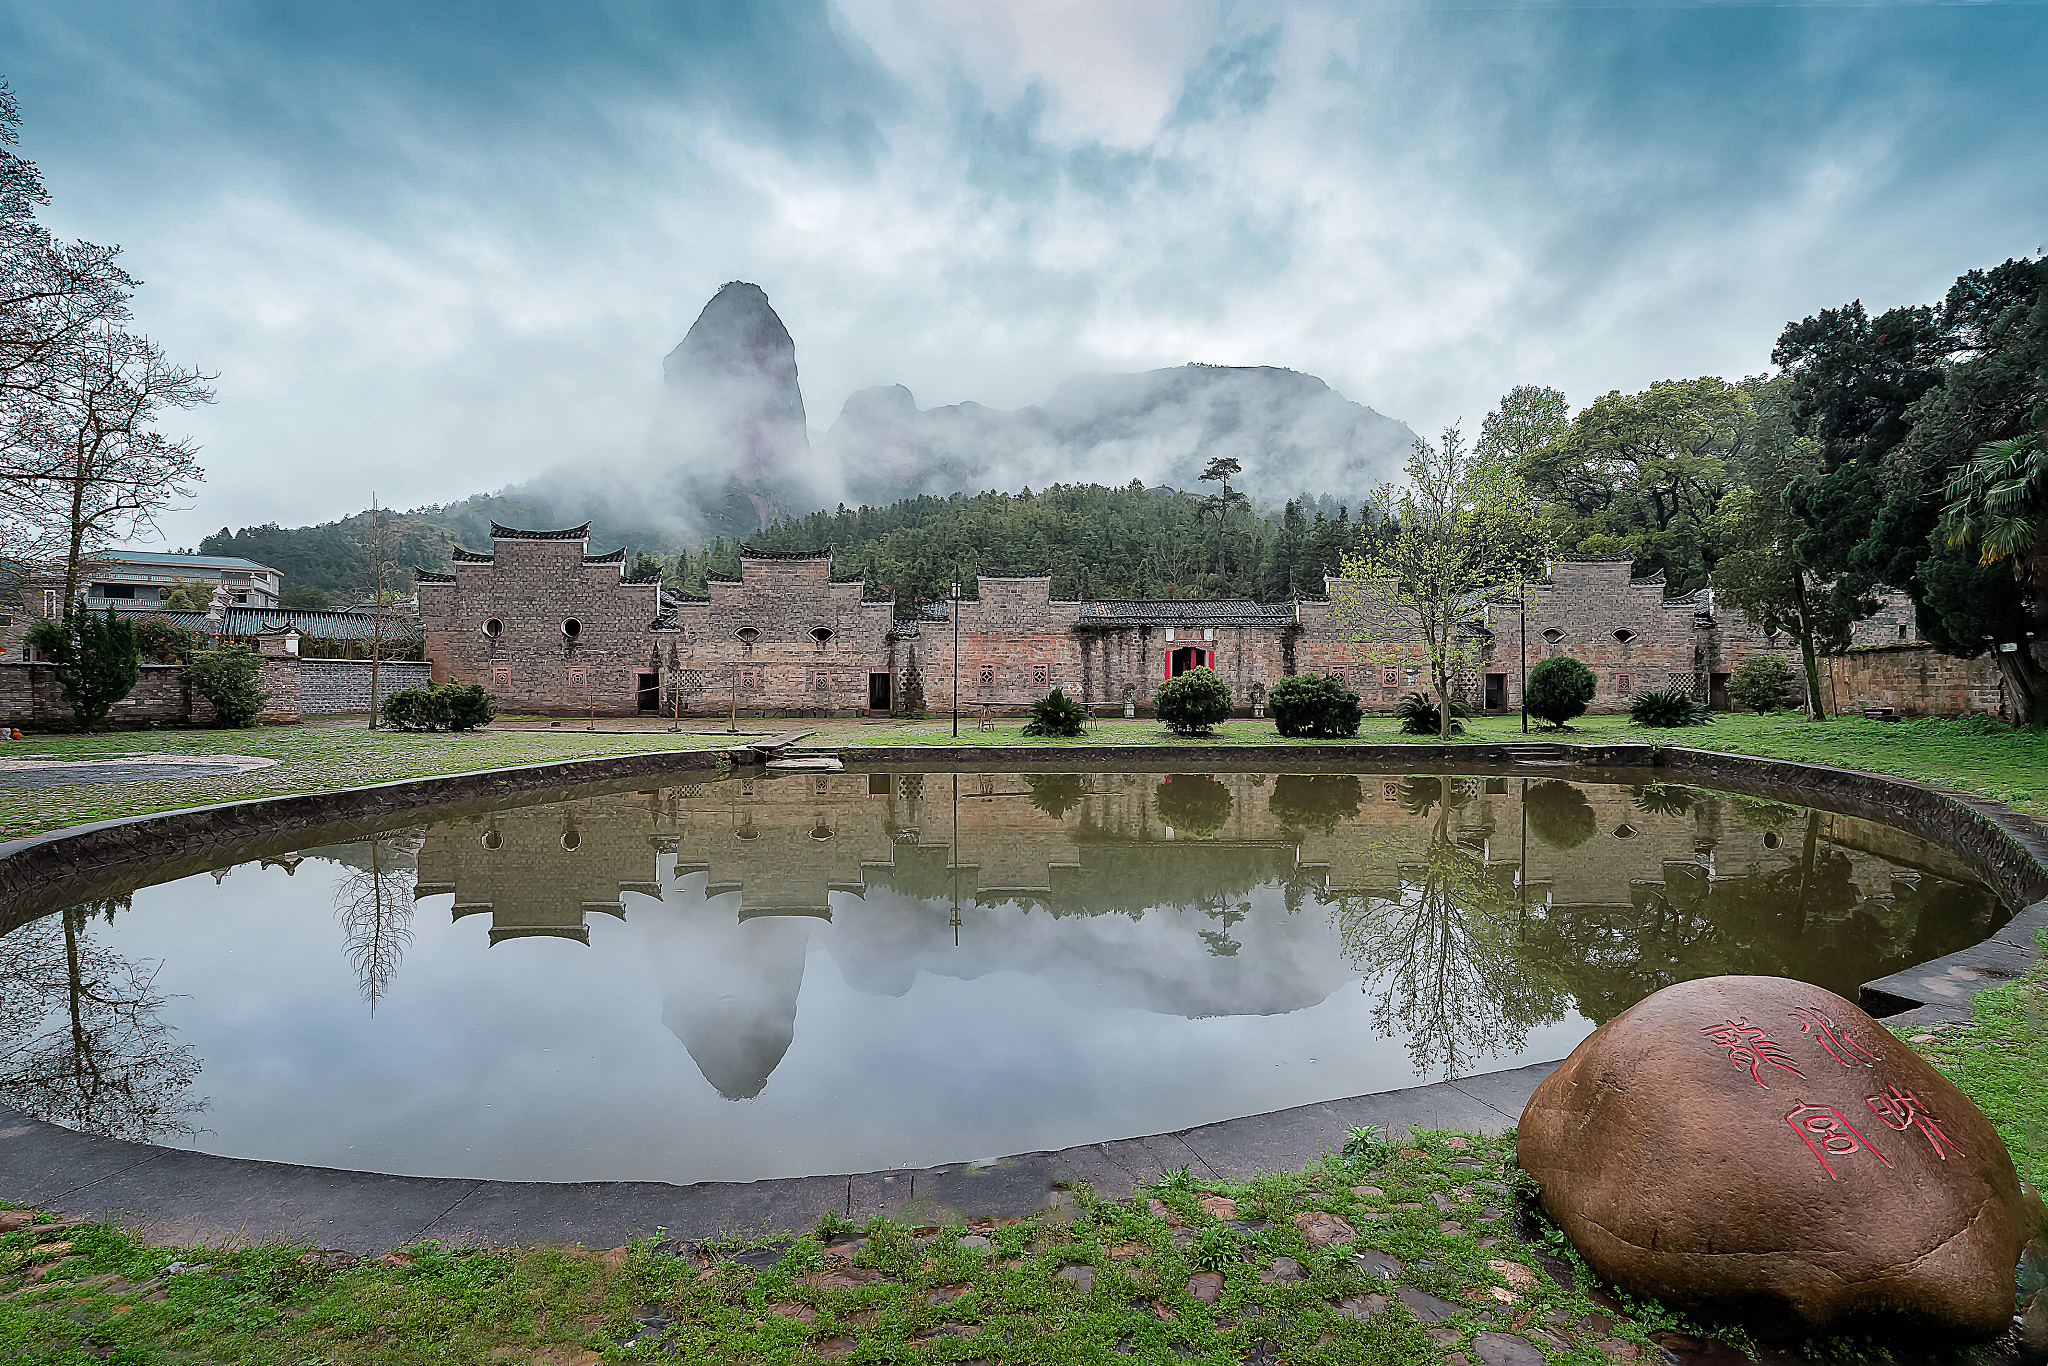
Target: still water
[[757, 977]]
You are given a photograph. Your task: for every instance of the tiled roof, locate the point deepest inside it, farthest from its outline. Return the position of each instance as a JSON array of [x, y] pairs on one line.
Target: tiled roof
[[748, 552], [936, 611], [905, 630], [1231, 612], [1655, 578], [1026, 574], [420, 575], [849, 578], [1594, 559], [615, 557], [506, 533], [165, 559], [712, 576], [248, 621], [457, 555], [655, 577]]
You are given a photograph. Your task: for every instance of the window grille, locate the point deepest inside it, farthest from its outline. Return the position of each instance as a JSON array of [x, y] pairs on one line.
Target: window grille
[[987, 675], [1623, 684], [1391, 678], [821, 681], [501, 678], [1041, 675]]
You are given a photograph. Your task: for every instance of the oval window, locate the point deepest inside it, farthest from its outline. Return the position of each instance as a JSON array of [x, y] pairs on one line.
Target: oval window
[[571, 841], [1624, 635], [572, 628], [493, 840], [821, 832], [1771, 840], [1553, 635], [748, 634], [493, 627]]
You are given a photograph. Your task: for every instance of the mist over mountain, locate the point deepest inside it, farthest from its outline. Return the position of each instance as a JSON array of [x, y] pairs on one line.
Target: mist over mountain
[[1290, 432]]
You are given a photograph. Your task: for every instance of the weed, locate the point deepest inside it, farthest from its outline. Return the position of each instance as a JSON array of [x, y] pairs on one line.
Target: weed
[[1367, 1146]]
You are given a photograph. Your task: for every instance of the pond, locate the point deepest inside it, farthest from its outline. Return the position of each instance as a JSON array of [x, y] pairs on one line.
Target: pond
[[769, 976]]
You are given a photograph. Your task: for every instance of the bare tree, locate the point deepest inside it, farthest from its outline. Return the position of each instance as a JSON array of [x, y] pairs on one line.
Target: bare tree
[[81, 1041]]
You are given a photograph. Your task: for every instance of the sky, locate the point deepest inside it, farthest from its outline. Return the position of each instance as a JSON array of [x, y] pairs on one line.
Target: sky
[[435, 250]]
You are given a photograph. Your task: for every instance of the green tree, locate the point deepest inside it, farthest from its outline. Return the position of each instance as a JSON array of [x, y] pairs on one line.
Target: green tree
[[188, 595], [1315, 705], [161, 641], [231, 680], [97, 660], [1529, 418], [1559, 689], [1762, 575], [302, 597], [1194, 703], [1998, 503], [1461, 538], [1759, 683]]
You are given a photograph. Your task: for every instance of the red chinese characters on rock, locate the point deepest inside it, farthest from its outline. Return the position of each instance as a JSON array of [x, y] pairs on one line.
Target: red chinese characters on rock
[[1833, 1038], [1901, 1109], [1828, 1132], [1749, 1047]]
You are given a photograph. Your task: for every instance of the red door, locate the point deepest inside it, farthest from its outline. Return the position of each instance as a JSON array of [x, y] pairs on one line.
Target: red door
[[1180, 661]]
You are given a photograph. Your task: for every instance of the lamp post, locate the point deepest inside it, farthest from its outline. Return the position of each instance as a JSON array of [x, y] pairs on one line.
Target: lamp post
[[1522, 612], [954, 613]]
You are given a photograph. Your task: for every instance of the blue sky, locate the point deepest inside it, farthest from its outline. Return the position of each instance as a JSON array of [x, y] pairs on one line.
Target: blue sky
[[434, 250]]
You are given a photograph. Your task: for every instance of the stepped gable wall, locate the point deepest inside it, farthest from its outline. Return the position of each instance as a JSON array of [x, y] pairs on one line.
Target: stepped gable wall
[[533, 586], [782, 636], [1625, 630], [1360, 638]]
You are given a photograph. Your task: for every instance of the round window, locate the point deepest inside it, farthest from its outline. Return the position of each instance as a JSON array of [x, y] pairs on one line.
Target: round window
[[1553, 635], [1771, 840], [493, 627], [493, 840], [821, 832], [571, 840], [572, 628]]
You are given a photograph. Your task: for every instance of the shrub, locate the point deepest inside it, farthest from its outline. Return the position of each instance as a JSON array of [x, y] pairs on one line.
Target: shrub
[[163, 642], [1419, 715], [231, 679], [1194, 804], [1759, 683], [1668, 707], [1559, 689], [1559, 813], [1193, 703], [1316, 705], [1056, 714], [1055, 793], [1315, 802], [96, 661], [452, 706]]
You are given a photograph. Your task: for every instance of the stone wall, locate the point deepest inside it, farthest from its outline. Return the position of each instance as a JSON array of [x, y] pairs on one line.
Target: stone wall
[[1913, 679], [784, 636], [327, 686]]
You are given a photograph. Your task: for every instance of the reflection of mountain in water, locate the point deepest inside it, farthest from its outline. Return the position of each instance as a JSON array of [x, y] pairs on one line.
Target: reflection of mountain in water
[[1093, 892]]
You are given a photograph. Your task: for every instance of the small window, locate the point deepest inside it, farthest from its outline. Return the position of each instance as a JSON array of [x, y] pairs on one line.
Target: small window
[[1338, 674], [571, 840], [501, 677], [1902, 632], [572, 628], [1771, 839], [1391, 678], [746, 832], [1041, 675], [821, 681], [821, 832], [748, 681], [493, 627], [748, 634], [1496, 787], [1624, 832], [493, 840], [1553, 635], [1624, 635], [821, 635], [1624, 684], [987, 674]]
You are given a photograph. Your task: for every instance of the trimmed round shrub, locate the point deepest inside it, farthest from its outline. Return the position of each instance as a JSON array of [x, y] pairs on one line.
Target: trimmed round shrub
[[231, 679], [1559, 814], [1668, 707], [1194, 804], [1759, 683], [1193, 703], [1419, 715], [1316, 705], [1056, 714], [452, 706], [1315, 803], [1559, 689]]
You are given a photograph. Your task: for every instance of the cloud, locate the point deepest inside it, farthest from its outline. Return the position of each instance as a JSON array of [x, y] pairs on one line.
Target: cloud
[[435, 252]]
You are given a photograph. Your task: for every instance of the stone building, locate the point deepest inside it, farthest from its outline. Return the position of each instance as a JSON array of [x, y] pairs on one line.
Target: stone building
[[550, 628]]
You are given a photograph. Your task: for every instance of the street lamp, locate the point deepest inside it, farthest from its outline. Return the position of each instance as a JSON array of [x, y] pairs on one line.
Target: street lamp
[[955, 614]]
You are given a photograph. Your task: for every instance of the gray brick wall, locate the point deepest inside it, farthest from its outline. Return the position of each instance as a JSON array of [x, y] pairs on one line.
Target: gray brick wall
[[327, 686]]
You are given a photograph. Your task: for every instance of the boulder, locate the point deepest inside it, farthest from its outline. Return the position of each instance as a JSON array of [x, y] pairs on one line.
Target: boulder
[[1761, 1148]]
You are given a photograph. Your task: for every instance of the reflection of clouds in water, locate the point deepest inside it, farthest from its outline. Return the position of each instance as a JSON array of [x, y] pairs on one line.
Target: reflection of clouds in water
[[734, 998]]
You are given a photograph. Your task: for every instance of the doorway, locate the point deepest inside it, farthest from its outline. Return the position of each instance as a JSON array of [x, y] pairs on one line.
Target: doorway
[[1496, 692], [650, 693], [878, 692], [1717, 693], [1180, 661]]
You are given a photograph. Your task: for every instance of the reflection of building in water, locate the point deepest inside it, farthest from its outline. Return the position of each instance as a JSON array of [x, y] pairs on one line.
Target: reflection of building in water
[[1618, 890], [539, 870]]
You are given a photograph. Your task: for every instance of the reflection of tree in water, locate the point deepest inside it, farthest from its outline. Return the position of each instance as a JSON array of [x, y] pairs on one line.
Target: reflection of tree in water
[[1446, 950], [80, 1041], [1420, 793], [1559, 814], [1661, 799], [374, 902], [1055, 793], [1807, 921], [1194, 804], [1315, 803]]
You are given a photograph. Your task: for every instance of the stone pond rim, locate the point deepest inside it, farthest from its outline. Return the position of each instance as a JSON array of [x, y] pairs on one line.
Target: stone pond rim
[[2007, 850]]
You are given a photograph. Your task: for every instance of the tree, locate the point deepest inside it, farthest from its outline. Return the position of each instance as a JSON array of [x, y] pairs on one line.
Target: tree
[[1559, 689], [96, 658], [231, 680], [1529, 418], [1461, 539], [1645, 472], [1763, 574], [302, 597], [1193, 805], [1759, 683], [188, 595], [1193, 703], [1315, 705], [1998, 503], [375, 906]]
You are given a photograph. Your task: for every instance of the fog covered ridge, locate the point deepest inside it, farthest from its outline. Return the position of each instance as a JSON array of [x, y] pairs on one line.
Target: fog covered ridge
[[1289, 430]]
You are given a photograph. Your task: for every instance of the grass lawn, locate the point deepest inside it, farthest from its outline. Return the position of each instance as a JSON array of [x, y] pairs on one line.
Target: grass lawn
[[1398, 1254], [1971, 756]]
